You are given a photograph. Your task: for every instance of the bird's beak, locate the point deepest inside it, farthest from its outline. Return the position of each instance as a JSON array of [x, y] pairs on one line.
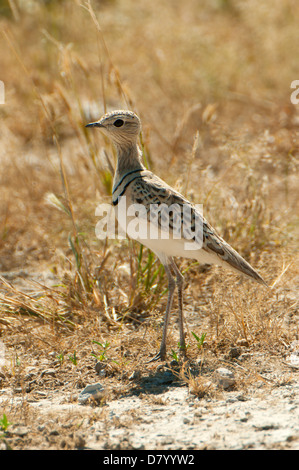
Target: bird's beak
[[94, 124]]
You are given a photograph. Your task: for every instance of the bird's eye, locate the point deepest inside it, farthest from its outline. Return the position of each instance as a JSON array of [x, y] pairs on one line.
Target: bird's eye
[[118, 123]]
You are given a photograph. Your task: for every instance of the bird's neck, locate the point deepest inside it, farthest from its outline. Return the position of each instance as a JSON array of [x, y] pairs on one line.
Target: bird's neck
[[129, 158]]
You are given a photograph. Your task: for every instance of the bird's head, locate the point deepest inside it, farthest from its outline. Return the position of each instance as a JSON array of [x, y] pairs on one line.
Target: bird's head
[[122, 127]]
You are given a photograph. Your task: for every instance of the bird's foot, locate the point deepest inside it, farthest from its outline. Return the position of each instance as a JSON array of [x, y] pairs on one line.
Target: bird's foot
[[160, 356]]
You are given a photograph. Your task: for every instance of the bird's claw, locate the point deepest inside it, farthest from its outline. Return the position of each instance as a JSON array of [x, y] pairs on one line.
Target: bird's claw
[[160, 356]]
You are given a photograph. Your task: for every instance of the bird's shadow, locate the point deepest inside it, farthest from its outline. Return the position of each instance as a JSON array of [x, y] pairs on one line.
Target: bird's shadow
[[159, 381]]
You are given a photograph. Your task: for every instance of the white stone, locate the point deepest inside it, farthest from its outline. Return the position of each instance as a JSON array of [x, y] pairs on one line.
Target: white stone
[[225, 377], [94, 391]]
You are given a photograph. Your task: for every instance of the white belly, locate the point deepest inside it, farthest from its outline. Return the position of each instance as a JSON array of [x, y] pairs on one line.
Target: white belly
[[164, 243]]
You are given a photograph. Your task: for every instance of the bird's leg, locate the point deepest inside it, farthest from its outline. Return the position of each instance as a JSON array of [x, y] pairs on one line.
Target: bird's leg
[[180, 283], [171, 287]]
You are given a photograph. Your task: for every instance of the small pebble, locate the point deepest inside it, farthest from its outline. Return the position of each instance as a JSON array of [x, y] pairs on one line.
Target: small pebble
[[234, 352], [225, 377], [20, 431], [92, 391], [100, 369], [50, 372]]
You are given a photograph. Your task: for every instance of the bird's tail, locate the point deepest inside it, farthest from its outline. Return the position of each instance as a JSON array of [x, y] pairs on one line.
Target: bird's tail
[[232, 259]]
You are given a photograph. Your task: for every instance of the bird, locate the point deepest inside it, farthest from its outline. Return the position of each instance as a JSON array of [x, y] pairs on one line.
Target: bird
[[163, 216]]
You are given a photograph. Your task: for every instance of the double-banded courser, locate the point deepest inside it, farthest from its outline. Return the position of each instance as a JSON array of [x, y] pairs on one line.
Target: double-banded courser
[[172, 225]]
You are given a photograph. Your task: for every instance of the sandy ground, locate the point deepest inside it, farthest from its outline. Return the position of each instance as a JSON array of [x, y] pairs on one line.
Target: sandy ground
[[252, 404], [158, 411]]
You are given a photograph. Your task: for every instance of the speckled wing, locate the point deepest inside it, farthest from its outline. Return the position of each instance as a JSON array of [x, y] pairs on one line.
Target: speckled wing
[[148, 189]]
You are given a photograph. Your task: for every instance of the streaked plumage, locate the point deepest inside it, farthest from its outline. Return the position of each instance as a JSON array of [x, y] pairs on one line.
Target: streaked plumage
[[142, 187]]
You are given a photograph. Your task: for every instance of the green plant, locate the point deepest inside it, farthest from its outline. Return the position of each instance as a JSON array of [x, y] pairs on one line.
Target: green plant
[[60, 357], [199, 340], [102, 356], [150, 275], [73, 358], [174, 355], [4, 423]]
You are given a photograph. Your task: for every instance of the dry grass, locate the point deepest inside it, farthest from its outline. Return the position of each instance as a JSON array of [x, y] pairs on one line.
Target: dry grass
[[212, 87]]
